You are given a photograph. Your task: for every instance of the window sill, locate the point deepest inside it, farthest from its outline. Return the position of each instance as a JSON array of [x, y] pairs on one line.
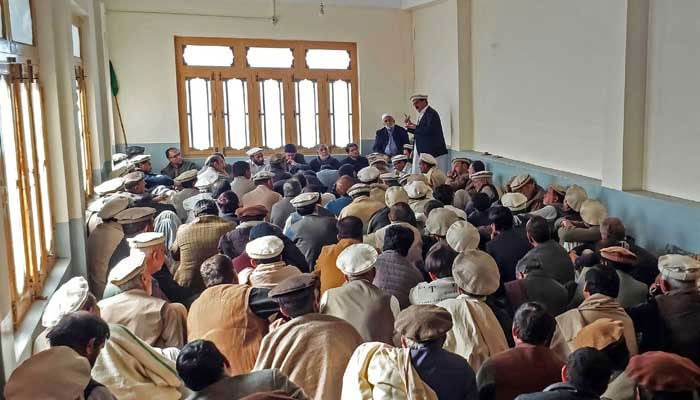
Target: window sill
[[31, 324]]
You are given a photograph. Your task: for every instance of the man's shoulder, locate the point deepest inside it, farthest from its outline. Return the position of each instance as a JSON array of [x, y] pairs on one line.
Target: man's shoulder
[[381, 131]]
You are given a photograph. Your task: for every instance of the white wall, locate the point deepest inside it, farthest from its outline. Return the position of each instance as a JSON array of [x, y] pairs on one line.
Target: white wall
[[548, 80], [142, 50], [673, 99], [436, 62]]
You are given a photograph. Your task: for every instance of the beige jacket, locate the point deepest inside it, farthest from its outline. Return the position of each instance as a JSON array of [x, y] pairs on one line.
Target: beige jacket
[[267, 276], [415, 253], [101, 245], [261, 195], [363, 208], [435, 177]]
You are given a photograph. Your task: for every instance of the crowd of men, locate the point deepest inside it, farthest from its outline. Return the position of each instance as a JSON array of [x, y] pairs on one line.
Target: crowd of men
[[379, 277]]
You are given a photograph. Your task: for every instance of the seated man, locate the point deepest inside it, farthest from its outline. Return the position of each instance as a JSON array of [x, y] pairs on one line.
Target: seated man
[[135, 186], [446, 195], [600, 290], [506, 246], [227, 202], [324, 158], [257, 160], [390, 138], [284, 208], [349, 233], [362, 206], [312, 231], [476, 334], [419, 193], [399, 214], [103, 243], [481, 182], [367, 308], [197, 241], [291, 254], [318, 372], [232, 316], [660, 375], [185, 189], [573, 233], [241, 183], [291, 156], [232, 243], [395, 274], [157, 322], [370, 176], [533, 283], [529, 367], [268, 269], [263, 194], [462, 236], [342, 186], [584, 377], [408, 152], [670, 321], [481, 205], [143, 164], [458, 178], [354, 158], [438, 264], [176, 164], [207, 372], [526, 185], [401, 164], [428, 166], [215, 168], [546, 253]]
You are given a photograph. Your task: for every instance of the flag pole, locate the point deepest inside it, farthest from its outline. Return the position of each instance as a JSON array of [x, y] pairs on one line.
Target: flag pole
[[121, 122], [114, 85]]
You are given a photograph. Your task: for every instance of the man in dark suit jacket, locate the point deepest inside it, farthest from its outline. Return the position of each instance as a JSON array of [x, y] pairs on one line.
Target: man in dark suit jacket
[[428, 131], [507, 247], [391, 138]]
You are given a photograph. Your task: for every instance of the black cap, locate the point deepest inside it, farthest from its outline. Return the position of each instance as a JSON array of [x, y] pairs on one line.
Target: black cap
[[133, 151], [290, 148]]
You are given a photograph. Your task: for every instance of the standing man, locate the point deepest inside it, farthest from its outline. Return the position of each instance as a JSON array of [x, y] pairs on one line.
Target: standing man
[[428, 132], [391, 138], [257, 160], [176, 164]]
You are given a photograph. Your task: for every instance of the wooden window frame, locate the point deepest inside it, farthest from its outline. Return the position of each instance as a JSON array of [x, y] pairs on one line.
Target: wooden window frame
[[86, 134], [23, 75], [240, 70]]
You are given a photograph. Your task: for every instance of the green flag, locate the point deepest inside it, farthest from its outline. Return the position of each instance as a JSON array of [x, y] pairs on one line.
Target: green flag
[[113, 80]]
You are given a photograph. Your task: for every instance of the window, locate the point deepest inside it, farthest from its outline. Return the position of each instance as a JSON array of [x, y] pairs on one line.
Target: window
[[81, 105], [24, 191], [21, 21], [234, 94]]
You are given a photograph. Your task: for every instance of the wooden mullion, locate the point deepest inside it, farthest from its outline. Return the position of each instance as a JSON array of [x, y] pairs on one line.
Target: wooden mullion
[[46, 171], [324, 112], [290, 130], [254, 110], [218, 112]]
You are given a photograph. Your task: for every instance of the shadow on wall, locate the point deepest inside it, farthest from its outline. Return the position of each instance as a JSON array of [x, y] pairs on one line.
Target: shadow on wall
[[654, 220]]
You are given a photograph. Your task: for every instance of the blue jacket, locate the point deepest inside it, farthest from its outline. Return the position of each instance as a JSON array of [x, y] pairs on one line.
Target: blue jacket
[[428, 134], [400, 138], [448, 374]]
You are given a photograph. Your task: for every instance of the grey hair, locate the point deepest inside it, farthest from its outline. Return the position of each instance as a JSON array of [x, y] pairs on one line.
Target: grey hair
[[212, 158], [291, 188]]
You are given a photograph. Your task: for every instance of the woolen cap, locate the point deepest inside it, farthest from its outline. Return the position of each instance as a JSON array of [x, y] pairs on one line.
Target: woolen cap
[[379, 160], [262, 176], [682, 268], [461, 159], [514, 201], [135, 214], [481, 175], [127, 268], [276, 158], [294, 284], [419, 97], [186, 176], [575, 196], [476, 272], [368, 174], [417, 190], [113, 206], [593, 212], [561, 189], [664, 372], [463, 236], [37, 377], [599, 334], [356, 259], [326, 198], [141, 158], [146, 239], [618, 254], [206, 180], [258, 210], [520, 181], [389, 176], [133, 151], [418, 178], [428, 159], [359, 188], [306, 199], [189, 203], [408, 146], [253, 151], [118, 157], [264, 248], [133, 177], [68, 298], [395, 194], [439, 221], [399, 157], [109, 186], [423, 322]]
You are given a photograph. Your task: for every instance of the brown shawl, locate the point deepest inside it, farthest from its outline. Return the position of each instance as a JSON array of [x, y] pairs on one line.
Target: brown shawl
[[313, 351]]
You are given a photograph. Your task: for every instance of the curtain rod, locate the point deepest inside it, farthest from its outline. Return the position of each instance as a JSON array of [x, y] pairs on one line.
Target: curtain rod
[[273, 18]]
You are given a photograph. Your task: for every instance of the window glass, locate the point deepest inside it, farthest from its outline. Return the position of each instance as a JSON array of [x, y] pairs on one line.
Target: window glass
[[14, 199], [199, 113], [272, 113], [341, 112], [30, 163], [81, 134], [208, 56], [21, 21], [307, 112], [2, 21], [270, 57], [327, 59], [76, 41], [236, 113], [46, 210]]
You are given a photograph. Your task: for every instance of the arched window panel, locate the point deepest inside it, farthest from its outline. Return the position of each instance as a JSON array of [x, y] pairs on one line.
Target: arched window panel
[[272, 113], [307, 112], [270, 57], [10, 151], [207, 56], [236, 116], [21, 21], [340, 112], [327, 59], [42, 162], [199, 113]]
